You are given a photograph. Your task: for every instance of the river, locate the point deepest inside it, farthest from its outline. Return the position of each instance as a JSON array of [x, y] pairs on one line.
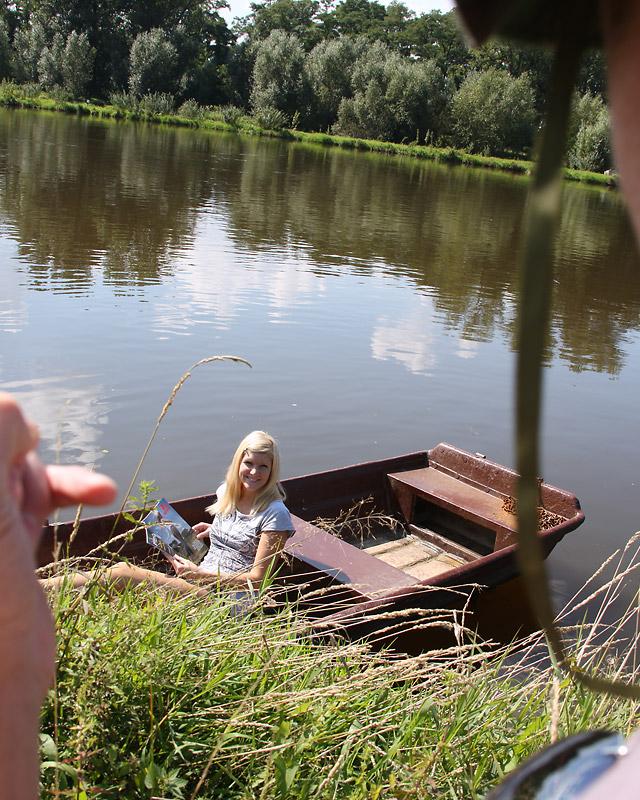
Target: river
[[374, 297]]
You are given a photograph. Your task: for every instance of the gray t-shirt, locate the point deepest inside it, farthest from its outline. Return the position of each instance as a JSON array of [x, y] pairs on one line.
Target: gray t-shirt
[[235, 537]]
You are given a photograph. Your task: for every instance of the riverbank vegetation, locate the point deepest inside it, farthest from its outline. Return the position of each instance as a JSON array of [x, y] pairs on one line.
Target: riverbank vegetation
[[356, 69], [183, 698], [158, 107]]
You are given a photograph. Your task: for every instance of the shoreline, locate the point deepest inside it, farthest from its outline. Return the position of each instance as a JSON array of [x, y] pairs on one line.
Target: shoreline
[[442, 155]]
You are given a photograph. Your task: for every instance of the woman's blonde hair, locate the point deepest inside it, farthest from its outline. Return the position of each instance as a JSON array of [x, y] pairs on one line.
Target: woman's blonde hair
[[254, 442]]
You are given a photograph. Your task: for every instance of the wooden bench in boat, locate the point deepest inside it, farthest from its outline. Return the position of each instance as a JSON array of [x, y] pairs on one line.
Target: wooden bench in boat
[[345, 563], [473, 503]]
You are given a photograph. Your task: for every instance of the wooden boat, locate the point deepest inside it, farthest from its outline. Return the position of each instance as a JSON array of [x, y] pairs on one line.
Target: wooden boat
[[438, 523]]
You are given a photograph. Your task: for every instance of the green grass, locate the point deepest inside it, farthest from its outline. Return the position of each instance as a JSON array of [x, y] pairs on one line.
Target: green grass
[[12, 95], [177, 698]]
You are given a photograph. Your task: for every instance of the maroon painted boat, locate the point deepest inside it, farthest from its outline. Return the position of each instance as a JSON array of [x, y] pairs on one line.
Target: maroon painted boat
[[439, 523]]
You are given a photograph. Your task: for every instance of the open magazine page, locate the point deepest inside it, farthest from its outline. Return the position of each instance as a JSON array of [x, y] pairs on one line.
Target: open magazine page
[[169, 533]]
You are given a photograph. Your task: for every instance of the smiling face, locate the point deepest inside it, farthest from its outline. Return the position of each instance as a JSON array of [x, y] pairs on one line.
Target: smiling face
[[254, 472]]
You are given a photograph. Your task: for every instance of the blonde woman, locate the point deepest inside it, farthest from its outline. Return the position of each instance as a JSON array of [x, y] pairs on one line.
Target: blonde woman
[[251, 523], [250, 527]]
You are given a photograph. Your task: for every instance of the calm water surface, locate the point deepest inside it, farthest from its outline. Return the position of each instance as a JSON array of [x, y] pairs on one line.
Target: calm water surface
[[373, 296]]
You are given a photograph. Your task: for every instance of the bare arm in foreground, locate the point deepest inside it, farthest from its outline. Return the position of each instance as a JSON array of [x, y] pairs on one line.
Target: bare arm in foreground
[[29, 492]]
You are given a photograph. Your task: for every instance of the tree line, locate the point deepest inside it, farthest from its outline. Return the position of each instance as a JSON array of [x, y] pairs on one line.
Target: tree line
[[352, 67]]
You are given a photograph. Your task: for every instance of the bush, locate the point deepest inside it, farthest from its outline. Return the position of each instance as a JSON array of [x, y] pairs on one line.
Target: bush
[[230, 114], [125, 100], [493, 113], [153, 61], [59, 94], [270, 118], [29, 89], [192, 110], [9, 93], [157, 103], [592, 150]]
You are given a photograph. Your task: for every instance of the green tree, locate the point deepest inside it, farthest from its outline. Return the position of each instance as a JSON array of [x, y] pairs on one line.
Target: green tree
[[28, 44], [298, 17], [50, 62], [355, 18], [278, 75], [239, 66], [194, 27], [393, 97], [77, 63], [493, 113], [589, 134], [394, 26], [438, 36], [516, 60], [329, 67], [153, 62], [592, 77], [6, 60]]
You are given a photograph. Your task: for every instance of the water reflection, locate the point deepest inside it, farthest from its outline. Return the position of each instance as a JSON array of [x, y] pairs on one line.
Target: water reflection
[[131, 206], [82, 195], [71, 411], [409, 340]]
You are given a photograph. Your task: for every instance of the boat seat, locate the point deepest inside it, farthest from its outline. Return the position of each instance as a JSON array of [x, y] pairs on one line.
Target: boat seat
[[473, 503], [345, 563]]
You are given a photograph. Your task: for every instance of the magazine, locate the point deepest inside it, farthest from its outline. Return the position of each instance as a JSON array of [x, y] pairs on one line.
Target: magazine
[[169, 533]]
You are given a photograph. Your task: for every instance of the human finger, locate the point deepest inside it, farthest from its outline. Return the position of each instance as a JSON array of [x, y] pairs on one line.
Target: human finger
[[72, 485], [201, 527]]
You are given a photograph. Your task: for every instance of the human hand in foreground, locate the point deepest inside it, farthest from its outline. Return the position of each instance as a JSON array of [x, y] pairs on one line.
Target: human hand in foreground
[[201, 530], [29, 492]]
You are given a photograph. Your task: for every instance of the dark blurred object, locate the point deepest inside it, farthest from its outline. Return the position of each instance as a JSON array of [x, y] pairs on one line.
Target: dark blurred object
[[533, 21], [564, 770]]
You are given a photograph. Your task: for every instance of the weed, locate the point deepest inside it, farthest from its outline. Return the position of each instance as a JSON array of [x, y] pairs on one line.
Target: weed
[[270, 118], [177, 697], [157, 103]]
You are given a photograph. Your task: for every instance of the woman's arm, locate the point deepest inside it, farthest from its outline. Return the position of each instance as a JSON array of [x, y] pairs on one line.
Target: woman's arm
[[270, 546]]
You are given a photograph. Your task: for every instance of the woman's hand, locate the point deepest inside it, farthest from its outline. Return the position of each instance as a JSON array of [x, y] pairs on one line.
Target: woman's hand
[[184, 568], [201, 530]]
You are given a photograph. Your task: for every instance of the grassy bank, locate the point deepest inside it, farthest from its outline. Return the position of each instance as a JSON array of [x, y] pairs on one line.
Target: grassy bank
[[16, 96], [179, 698]]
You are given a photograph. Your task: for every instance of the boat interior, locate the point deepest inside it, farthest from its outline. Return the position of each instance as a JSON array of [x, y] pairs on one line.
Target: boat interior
[[421, 516]]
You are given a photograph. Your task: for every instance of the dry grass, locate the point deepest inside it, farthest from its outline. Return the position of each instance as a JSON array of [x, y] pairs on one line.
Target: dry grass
[[183, 698]]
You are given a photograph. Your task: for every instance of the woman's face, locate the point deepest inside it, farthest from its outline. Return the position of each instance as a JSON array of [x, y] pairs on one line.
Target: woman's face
[[254, 472]]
